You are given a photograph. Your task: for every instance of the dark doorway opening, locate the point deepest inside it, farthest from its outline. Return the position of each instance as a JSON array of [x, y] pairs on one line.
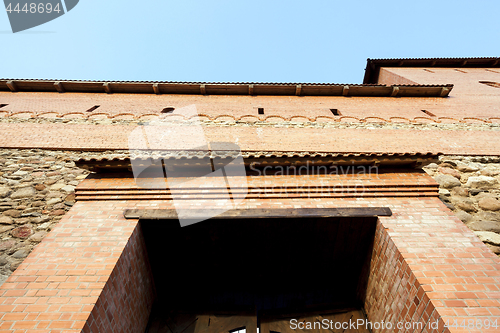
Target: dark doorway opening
[[260, 270]]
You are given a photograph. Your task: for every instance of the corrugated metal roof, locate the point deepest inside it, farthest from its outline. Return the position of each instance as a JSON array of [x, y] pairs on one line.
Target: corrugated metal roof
[[373, 65], [122, 161], [225, 88], [189, 82]]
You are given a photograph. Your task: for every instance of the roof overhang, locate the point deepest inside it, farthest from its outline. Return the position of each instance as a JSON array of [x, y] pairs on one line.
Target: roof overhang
[[373, 65], [215, 88]]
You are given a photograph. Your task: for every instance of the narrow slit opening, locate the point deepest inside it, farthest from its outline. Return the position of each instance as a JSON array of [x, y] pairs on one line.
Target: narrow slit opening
[[491, 84], [428, 113], [93, 108], [335, 112], [261, 110], [168, 110], [3, 105]]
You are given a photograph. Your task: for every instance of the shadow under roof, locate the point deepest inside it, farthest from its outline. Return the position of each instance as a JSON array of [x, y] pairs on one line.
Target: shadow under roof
[[225, 88]]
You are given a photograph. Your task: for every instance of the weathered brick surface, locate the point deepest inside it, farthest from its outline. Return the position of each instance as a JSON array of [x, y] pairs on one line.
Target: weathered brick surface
[[466, 100], [469, 98], [437, 271], [426, 265], [90, 274], [87, 273], [104, 137], [127, 297]]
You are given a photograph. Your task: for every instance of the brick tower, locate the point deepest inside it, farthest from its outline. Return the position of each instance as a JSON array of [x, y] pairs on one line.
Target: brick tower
[[218, 207]]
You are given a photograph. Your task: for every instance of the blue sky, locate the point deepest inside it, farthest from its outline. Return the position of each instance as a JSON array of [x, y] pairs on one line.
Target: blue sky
[[266, 41]]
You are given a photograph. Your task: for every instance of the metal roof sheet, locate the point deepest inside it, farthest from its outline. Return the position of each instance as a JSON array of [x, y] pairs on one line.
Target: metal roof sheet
[[225, 88], [373, 65]]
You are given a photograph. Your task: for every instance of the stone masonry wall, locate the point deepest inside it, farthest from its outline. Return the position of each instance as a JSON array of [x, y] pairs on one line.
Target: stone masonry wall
[[37, 188], [470, 186]]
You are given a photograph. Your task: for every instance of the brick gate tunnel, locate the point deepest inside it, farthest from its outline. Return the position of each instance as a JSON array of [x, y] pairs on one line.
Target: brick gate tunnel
[[280, 274]]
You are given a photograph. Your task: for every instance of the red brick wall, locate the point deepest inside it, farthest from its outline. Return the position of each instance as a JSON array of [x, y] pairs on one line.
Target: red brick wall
[[428, 266], [469, 98], [394, 295], [103, 137], [57, 286], [127, 298], [423, 250]]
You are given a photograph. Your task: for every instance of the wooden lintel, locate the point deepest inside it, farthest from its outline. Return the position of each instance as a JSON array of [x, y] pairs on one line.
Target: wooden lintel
[[345, 91], [156, 88], [298, 90], [203, 89], [444, 92], [250, 89], [59, 87], [395, 91], [168, 214], [107, 88], [11, 85]]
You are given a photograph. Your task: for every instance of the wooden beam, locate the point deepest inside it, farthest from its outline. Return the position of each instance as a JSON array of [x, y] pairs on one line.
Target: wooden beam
[[203, 89], [59, 87], [464, 63], [395, 91], [444, 92], [166, 214], [156, 88], [107, 88], [345, 91], [495, 62], [11, 85], [298, 90], [223, 89]]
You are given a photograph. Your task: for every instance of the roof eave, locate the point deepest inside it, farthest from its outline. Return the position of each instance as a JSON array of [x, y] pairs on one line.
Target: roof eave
[[186, 159], [214, 88], [373, 65]]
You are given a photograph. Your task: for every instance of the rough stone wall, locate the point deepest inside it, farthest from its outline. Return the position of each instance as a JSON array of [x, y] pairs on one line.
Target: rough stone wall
[[470, 187], [36, 189]]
